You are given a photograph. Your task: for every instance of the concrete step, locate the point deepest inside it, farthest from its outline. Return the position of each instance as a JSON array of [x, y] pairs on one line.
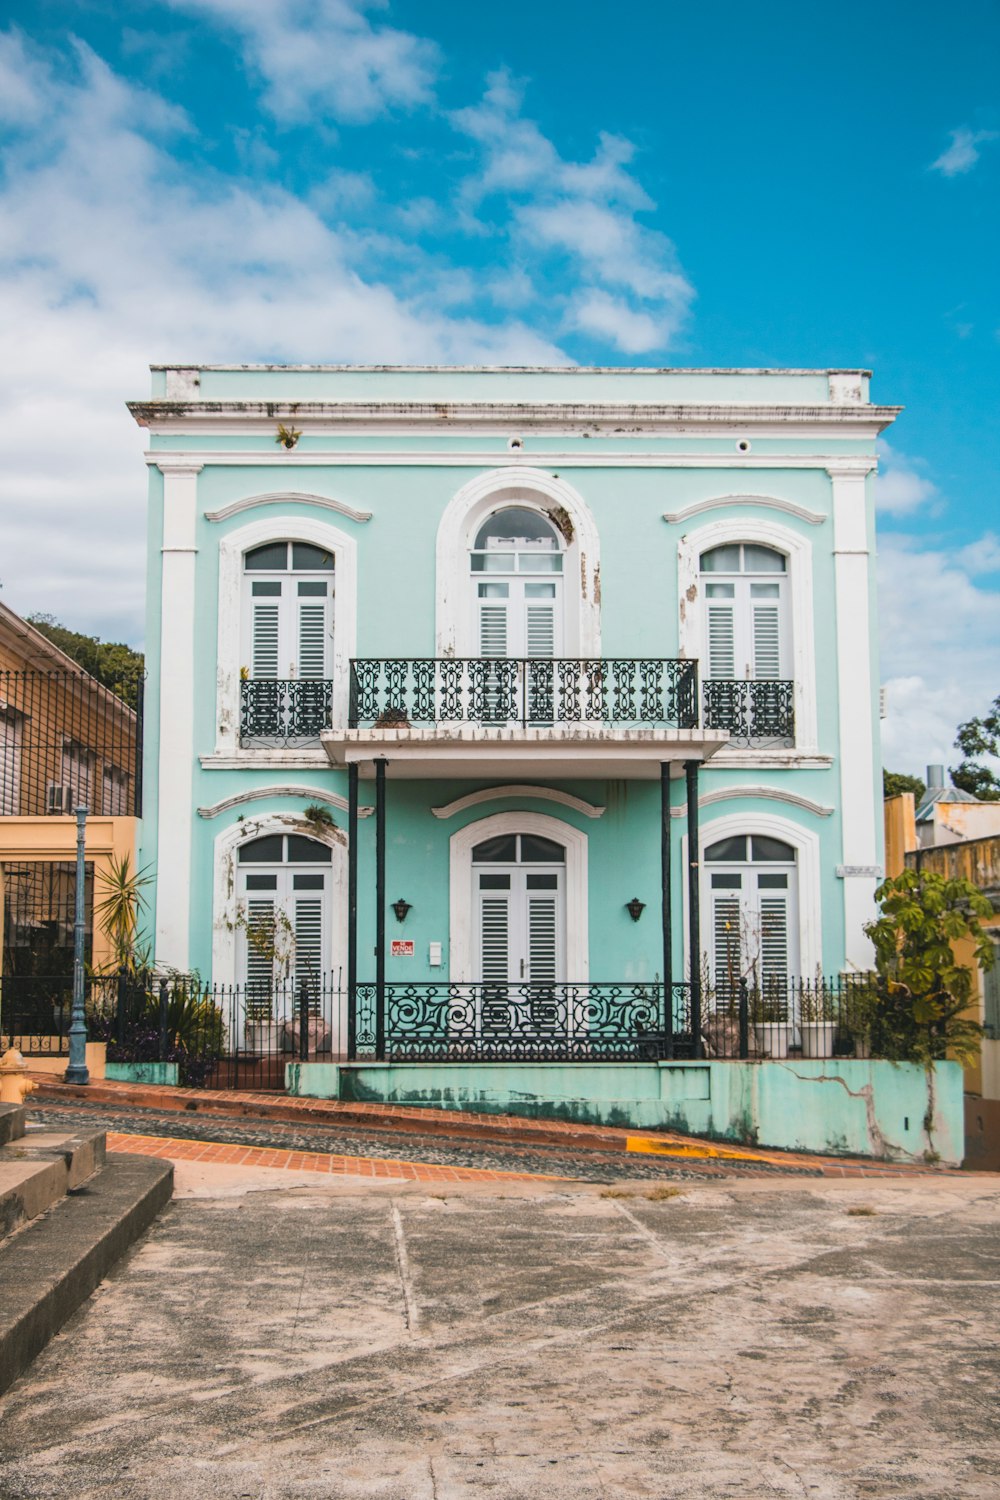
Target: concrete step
[[13, 1118], [55, 1261], [40, 1168]]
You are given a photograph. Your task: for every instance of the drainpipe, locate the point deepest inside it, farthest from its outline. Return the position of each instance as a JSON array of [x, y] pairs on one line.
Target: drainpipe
[[694, 897], [665, 913], [380, 909]]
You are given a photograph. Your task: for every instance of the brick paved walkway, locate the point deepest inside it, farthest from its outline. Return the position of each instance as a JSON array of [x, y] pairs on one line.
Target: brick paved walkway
[[500, 1131], [217, 1153]]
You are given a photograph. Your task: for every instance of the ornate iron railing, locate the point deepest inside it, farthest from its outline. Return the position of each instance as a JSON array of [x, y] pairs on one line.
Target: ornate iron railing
[[753, 713], [278, 711], [585, 1022], [528, 691]]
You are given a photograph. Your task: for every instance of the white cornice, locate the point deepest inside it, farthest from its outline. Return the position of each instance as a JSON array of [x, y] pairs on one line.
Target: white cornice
[[814, 517], [177, 463], [288, 497], [450, 458], [259, 793], [544, 793]]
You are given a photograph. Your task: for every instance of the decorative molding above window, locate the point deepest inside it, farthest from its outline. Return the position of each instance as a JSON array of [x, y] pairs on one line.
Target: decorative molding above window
[[289, 497], [257, 794], [494, 793], [722, 502]]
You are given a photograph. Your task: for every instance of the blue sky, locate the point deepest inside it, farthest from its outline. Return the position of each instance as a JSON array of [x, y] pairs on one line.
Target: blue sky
[[213, 180]]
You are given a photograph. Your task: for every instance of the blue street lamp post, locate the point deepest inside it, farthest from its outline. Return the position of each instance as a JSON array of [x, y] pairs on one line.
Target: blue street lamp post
[[77, 1071]]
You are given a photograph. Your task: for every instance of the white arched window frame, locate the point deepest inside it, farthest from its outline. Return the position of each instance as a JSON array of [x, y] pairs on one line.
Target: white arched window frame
[[462, 904], [807, 862], [457, 622], [232, 548], [692, 625], [225, 930]]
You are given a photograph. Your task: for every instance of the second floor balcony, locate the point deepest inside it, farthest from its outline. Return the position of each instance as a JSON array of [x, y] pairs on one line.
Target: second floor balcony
[[510, 698]]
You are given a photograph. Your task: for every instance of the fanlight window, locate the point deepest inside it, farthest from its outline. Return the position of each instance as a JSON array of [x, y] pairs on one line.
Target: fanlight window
[[517, 540]]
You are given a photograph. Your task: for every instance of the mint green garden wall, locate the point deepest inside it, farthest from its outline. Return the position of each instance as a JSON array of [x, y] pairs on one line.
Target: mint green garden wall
[[893, 1111]]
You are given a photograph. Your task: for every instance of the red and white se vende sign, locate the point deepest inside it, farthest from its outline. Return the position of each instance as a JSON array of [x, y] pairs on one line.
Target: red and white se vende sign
[[401, 948]]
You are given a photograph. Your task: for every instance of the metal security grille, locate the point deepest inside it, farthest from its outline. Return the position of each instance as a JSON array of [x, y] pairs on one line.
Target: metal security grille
[[39, 911], [65, 738]]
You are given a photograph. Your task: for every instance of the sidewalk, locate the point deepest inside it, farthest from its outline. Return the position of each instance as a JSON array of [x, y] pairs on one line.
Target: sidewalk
[[504, 1130]]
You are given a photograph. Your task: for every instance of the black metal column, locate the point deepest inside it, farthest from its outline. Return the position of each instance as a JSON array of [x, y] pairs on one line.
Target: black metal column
[[694, 902], [352, 912], [380, 910], [665, 912]]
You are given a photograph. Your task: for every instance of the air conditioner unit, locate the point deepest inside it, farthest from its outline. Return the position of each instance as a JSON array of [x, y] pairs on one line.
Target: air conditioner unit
[[883, 703], [58, 797]]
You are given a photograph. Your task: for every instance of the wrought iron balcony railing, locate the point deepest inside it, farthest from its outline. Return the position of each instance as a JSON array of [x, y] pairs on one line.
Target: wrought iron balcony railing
[[277, 711], [526, 691], [753, 713]]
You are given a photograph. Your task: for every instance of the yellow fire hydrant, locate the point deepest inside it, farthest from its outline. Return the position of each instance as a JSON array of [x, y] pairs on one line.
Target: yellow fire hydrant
[[14, 1082]]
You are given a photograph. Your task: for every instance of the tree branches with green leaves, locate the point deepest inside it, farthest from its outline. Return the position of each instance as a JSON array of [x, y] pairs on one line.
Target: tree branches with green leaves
[[977, 737], [114, 664], [923, 993]]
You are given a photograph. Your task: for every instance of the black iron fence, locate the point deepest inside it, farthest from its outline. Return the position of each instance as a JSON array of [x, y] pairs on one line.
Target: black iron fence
[[525, 691], [36, 1010], [280, 711], [66, 741], [613, 1022], [753, 713]]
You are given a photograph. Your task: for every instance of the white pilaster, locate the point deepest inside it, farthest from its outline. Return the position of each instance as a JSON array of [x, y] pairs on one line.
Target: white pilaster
[[852, 565], [176, 751]]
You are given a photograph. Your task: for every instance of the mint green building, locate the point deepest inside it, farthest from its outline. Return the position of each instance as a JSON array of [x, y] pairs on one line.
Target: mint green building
[[511, 714]]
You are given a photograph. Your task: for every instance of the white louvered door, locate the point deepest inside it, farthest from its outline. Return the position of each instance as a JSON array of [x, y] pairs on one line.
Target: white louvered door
[[521, 926], [754, 932], [289, 626], [747, 630], [721, 640]]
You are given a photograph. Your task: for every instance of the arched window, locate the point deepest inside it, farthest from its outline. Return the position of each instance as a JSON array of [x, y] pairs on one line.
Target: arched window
[[288, 607], [284, 900], [519, 896], [516, 563], [753, 912], [745, 589]]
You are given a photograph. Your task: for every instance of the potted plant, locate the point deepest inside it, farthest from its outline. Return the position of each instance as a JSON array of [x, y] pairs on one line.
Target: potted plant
[[769, 1019], [818, 1023]]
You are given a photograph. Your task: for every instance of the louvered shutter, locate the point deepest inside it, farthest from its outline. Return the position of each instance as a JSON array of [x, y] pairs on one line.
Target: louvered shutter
[[726, 943], [312, 640], [266, 628], [494, 939], [542, 940], [260, 964], [721, 641], [540, 631], [10, 766], [774, 942], [766, 641], [309, 941], [76, 774], [493, 629]]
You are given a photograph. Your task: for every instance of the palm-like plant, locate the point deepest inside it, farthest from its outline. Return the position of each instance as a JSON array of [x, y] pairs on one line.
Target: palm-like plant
[[120, 888]]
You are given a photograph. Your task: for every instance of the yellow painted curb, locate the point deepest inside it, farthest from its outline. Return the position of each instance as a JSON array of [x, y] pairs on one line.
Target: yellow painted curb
[[667, 1148]]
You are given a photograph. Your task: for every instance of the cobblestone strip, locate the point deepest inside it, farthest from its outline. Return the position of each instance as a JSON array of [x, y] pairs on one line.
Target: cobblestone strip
[[219, 1154]]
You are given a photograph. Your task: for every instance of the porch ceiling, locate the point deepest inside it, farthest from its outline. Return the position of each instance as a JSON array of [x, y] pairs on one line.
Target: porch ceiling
[[564, 753]]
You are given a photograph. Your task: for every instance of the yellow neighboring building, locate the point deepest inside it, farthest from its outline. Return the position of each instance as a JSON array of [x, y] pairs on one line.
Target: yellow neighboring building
[[65, 740], [955, 835]]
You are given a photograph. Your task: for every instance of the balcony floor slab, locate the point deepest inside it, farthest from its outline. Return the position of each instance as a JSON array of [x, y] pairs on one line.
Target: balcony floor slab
[[565, 752]]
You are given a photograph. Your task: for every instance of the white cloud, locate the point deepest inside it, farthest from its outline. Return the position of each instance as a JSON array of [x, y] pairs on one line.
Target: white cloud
[[900, 488], [321, 57], [963, 153], [112, 255], [940, 662], [633, 293]]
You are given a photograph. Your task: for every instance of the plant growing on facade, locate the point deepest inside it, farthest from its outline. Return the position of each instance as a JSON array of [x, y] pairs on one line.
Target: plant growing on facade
[[287, 436], [318, 815], [922, 993]]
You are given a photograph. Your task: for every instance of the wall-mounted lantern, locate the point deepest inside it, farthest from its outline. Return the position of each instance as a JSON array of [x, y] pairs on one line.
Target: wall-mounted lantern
[[635, 908], [401, 908]]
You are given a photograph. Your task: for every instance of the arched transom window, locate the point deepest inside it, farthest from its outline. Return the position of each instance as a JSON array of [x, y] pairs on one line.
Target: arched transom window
[[744, 586], [752, 898], [516, 562]]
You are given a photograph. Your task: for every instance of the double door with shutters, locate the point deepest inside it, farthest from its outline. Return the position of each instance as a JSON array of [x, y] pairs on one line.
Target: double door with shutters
[[519, 884], [753, 912], [284, 891]]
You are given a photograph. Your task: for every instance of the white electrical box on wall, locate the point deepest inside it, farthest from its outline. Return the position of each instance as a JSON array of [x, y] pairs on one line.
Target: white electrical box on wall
[[434, 956]]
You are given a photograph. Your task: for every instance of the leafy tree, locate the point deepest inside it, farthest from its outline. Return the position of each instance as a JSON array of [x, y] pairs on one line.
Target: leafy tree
[[974, 738], [894, 782], [922, 991], [113, 663]]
